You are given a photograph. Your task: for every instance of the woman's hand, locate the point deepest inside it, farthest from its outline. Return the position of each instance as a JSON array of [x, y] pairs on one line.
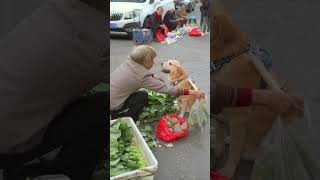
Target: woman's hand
[[278, 102], [197, 94]]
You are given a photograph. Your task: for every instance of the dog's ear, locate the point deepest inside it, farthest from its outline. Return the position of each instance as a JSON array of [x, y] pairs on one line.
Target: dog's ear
[[226, 36], [179, 73]]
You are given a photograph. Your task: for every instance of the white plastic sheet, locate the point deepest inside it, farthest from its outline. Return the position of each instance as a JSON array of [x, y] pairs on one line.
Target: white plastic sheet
[[288, 152], [199, 115]]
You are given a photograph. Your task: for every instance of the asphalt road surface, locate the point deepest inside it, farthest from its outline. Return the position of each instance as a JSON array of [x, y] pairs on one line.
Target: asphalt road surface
[[189, 158], [290, 30]]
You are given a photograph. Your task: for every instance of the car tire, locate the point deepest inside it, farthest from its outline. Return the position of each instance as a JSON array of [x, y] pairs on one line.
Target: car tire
[[145, 21]]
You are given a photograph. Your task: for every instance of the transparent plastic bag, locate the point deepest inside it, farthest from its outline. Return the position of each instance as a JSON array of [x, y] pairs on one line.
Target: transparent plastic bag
[[288, 152], [199, 115]]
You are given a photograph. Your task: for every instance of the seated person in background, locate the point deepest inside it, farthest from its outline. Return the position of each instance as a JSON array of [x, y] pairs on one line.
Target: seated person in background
[[182, 13], [170, 19], [155, 22]]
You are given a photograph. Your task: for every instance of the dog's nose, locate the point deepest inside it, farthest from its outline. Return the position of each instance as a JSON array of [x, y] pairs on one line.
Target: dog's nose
[[161, 64]]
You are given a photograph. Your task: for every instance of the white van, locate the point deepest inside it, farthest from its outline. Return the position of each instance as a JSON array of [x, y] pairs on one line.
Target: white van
[[128, 14]]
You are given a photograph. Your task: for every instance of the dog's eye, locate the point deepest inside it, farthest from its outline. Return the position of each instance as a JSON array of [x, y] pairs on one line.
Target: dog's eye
[[170, 63]]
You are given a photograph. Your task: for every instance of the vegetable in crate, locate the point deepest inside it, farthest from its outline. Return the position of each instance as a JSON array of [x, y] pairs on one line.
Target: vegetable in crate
[[124, 155]]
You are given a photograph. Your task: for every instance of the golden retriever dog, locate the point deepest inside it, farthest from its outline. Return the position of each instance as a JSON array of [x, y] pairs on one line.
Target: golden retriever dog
[[247, 125], [179, 77]]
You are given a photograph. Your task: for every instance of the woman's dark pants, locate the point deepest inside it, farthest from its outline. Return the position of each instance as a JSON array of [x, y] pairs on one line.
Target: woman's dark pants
[[133, 106]]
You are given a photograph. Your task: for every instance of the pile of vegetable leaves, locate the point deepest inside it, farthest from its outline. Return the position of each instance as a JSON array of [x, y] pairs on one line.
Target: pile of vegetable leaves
[[124, 155], [149, 136], [158, 105]]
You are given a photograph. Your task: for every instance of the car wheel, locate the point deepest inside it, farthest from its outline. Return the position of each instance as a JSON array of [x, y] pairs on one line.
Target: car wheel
[[145, 22]]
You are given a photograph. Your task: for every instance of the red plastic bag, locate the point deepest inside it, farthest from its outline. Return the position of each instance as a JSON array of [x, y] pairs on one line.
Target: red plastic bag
[[195, 32], [216, 176], [166, 30], [163, 132], [159, 35]]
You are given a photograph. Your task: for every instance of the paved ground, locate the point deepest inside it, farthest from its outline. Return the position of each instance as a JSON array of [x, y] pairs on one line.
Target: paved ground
[[189, 159], [290, 30]]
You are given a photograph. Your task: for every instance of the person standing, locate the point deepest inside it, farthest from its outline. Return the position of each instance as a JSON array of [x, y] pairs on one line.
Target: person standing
[[201, 16], [205, 9]]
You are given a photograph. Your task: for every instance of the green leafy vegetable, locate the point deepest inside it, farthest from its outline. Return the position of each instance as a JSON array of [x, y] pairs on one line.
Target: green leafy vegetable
[[199, 115], [158, 105], [149, 136], [124, 155]]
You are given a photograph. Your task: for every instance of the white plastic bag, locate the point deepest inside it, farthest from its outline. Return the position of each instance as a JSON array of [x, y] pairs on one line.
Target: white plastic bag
[[288, 152], [199, 115]]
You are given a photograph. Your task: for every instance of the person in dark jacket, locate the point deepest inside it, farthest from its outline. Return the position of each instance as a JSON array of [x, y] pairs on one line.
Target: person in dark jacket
[[170, 19], [155, 22], [205, 9]]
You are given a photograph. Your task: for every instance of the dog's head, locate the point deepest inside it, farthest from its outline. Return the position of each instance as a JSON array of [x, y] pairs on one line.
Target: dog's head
[[226, 36], [174, 69]]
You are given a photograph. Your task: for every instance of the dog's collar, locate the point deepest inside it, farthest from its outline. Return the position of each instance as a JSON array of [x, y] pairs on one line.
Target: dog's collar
[[217, 65], [262, 54], [175, 83]]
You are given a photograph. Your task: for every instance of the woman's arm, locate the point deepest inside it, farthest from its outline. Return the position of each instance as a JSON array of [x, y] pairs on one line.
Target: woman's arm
[[154, 83], [226, 96], [223, 96]]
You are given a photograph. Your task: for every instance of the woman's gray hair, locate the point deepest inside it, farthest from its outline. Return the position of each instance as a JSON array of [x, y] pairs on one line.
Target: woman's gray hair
[[142, 53]]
